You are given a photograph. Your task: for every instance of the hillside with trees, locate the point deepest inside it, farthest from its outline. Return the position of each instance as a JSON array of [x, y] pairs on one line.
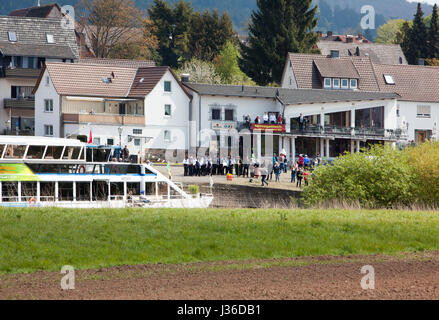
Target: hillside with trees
[[340, 16]]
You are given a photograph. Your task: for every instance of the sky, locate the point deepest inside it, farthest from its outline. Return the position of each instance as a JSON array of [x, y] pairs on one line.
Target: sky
[[426, 1]]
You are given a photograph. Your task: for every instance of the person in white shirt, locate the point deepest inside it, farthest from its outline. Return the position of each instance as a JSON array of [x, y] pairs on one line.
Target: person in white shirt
[[272, 118], [186, 166], [265, 118]]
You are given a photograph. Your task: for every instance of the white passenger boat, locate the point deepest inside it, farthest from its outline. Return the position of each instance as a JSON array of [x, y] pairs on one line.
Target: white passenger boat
[[53, 172]]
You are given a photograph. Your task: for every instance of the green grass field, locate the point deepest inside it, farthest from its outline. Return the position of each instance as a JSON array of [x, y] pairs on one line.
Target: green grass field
[[47, 239]]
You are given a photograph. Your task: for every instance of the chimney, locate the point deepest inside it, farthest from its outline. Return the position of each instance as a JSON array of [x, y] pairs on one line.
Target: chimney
[[349, 39], [329, 34], [319, 34], [185, 77], [357, 51], [421, 62], [335, 54]]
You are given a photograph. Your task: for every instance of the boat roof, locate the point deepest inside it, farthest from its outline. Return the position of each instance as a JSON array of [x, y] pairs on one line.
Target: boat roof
[[40, 141]]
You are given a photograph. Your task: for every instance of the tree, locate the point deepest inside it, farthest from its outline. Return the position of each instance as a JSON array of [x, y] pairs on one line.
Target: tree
[[433, 34], [389, 32], [139, 48], [226, 65], [416, 43], [276, 28], [200, 71], [171, 29], [110, 22]]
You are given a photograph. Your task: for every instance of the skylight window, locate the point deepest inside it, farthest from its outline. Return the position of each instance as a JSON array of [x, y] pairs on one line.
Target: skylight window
[[50, 38], [12, 36], [389, 79]]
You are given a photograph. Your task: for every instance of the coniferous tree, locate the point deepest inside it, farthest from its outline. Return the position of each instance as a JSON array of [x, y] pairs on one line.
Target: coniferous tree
[[416, 47], [276, 28], [433, 44]]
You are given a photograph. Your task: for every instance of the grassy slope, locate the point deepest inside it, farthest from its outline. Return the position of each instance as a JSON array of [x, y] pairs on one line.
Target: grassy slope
[[47, 239]]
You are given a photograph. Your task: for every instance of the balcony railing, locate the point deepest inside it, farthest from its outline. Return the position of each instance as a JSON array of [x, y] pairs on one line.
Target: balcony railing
[[313, 130], [15, 132], [27, 103], [104, 119], [22, 73]]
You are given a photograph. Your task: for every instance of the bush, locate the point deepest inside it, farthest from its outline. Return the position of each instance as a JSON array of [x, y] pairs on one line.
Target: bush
[[194, 189], [378, 177], [424, 161]]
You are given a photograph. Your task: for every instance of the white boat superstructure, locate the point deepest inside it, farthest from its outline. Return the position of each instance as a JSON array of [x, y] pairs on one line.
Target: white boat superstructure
[[52, 172]]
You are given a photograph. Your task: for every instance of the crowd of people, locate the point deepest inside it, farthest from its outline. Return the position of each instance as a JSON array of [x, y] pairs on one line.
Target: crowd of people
[[301, 169]]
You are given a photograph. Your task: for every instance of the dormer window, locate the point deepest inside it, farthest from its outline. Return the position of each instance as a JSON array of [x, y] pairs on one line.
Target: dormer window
[[336, 83], [50, 38], [344, 83], [12, 36], [327, 83], [354, 83]]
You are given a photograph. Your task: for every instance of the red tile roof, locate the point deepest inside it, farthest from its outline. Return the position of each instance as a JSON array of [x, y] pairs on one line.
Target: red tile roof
[[412, 82]]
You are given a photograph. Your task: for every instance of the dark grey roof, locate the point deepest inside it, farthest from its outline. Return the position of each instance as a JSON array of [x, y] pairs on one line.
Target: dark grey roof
[[32, 41], [305, 96], [289, 96], [378, 53]]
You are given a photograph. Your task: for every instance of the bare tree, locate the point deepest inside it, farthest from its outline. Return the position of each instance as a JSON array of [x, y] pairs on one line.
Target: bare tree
[[110, 22]]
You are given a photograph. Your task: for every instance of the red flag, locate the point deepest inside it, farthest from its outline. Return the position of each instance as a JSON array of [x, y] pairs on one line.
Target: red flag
[[90, 138]]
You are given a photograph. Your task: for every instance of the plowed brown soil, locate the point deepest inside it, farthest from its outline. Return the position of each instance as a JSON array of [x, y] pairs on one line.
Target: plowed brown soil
[[408, 276]]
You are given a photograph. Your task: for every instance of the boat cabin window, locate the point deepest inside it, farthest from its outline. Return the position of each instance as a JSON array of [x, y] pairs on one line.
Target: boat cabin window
[[72, 153], [98, 155], [122, 169], [54, 153], [35, 152], [2, 148], [15, 151]]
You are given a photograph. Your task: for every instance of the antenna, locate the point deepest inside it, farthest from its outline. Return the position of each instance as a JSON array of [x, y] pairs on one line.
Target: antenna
[[39, 4]]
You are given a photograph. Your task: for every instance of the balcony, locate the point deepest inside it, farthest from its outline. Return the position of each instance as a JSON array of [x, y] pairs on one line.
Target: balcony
[[113, 119], [22, 73], [27, 103]]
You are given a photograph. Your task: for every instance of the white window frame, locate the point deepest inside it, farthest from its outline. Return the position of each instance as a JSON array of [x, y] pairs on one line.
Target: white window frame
[[170, 86], [137, 132], [170, 111], [334, 85], [424, 115], [137, 142], [50, 104], [347, 84], [165, 133], [389, 79], [325, 84], [46, 129], [353, 81]]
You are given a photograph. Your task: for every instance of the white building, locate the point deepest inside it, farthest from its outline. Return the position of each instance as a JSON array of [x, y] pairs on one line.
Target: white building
[[417, 111], [144, 108], [337, 121]]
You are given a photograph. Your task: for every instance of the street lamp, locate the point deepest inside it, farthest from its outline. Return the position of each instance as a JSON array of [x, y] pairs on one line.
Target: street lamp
[[120, 129]]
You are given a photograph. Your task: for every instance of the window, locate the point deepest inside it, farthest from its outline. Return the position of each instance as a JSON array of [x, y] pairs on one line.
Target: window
[[167, 136], [50, 38], [137, 142], [97, 141], [48, 105], [345, 84], [31, 63], [47, 81], [216, 114], [397, 111], [389, 79], [336, 83], [17, 62], [12, 36], [424, 112], [328, 83], [354, 83], [229, 115], [167, 86], [137, 131], [48, 130], [167, 110], [110, 142]]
